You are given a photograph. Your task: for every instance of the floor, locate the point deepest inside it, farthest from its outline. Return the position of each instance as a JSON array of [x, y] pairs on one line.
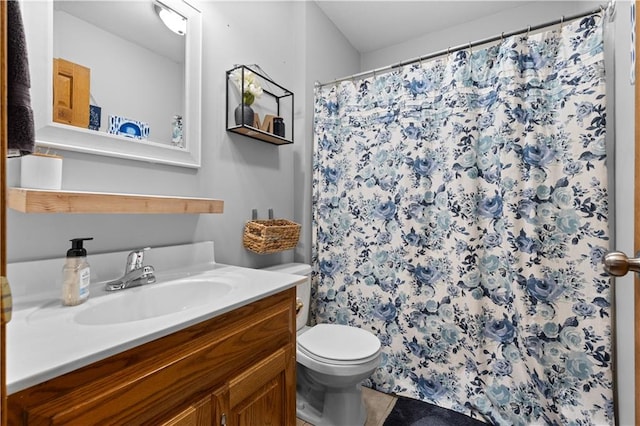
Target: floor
[[378, 405]]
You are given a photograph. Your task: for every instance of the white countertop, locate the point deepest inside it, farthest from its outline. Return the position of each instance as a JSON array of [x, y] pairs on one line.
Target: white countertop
[[45, 340]]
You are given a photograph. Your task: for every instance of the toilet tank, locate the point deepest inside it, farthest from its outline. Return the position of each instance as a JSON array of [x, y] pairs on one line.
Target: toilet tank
[[303, 291]]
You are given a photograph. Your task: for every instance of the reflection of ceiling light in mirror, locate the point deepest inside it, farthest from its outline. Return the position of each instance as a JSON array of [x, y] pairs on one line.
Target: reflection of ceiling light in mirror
[[172, 19]]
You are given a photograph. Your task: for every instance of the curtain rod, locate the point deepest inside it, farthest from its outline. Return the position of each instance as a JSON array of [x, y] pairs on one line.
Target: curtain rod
[[609, 10]]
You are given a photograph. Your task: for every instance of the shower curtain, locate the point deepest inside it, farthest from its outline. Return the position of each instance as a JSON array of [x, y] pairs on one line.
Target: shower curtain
[[460, 214]]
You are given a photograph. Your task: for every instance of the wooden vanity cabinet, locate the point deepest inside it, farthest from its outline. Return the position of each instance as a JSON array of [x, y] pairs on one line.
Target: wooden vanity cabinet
[[235, 369], [251, 398]]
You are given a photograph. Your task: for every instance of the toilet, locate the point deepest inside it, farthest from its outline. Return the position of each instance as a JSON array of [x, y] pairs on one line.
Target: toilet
[[332, 360]]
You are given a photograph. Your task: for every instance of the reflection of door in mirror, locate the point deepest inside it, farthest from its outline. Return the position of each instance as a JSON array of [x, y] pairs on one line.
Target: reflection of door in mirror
[[140, 81], [70, 93]]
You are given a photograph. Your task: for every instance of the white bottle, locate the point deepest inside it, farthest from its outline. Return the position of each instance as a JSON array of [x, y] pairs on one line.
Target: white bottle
[[76, 274]]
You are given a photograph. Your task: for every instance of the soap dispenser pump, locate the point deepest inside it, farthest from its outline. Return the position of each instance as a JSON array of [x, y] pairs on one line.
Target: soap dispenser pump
[[76, 274]]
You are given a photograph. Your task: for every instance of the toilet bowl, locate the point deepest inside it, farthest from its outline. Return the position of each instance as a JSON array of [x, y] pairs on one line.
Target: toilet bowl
[[332, 360]]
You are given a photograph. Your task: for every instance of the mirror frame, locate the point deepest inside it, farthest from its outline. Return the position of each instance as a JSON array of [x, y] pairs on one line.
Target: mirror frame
[[39, 14]]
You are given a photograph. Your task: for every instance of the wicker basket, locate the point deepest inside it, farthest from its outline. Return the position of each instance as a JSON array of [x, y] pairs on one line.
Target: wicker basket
[[270, 236]]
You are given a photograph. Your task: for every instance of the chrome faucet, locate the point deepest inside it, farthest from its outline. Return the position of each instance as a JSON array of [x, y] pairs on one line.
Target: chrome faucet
[[135, 273]]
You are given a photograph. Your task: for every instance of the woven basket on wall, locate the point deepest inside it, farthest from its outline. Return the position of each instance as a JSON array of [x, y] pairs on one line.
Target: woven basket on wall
[[270, 236]]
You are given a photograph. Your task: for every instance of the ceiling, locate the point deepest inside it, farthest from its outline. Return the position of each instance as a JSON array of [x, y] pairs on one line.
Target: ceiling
[[373, 25]]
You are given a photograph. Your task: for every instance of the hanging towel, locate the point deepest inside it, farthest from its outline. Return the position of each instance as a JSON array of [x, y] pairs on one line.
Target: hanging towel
[[21, 131]]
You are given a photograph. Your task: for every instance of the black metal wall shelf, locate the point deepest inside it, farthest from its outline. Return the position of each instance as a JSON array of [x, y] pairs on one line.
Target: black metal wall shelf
[[276, 102]]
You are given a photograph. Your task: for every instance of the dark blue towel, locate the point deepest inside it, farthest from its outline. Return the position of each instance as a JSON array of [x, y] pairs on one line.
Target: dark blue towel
[[21, 131]]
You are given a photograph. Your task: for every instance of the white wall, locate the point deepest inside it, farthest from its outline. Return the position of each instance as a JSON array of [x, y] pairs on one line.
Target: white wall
[[243, 172], [295, 44], [511, 19]]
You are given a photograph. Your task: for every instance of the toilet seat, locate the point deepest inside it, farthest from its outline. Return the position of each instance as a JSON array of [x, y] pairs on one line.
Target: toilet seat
[[339, 344]]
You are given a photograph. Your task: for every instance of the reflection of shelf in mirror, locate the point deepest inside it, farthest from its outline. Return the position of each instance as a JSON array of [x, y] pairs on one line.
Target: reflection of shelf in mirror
[[46, 201], [252, 132], [113, 137]]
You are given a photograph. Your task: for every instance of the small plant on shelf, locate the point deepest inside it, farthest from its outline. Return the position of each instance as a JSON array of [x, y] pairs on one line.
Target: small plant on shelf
[[251, 86]]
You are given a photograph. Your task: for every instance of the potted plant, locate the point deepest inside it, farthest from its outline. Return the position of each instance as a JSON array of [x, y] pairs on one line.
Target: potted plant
[[248, 84]]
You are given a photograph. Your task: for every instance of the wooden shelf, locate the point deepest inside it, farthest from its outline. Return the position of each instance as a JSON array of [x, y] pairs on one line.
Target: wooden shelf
[[48, 201], [259, 134]]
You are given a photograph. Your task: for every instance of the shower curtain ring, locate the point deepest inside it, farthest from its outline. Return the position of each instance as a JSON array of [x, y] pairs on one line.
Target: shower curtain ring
[[528, 31], [561, 22]]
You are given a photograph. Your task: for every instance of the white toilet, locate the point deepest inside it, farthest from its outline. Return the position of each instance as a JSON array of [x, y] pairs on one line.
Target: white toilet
[[332, 361]]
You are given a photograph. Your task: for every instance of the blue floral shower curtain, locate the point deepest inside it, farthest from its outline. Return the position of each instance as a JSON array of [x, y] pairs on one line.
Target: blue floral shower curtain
[[460, 214]]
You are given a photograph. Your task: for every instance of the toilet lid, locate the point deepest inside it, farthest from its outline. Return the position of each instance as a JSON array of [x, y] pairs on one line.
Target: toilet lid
[[335, 342]]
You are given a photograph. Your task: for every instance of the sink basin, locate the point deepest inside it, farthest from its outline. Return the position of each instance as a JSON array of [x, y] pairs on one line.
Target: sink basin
[[153, 300]]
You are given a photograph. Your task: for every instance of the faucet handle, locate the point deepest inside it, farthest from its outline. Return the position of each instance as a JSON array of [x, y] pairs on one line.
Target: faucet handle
[[135, 259]]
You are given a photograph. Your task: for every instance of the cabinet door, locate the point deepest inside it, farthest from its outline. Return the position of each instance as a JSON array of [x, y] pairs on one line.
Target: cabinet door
[[198, 414], [265, 393]]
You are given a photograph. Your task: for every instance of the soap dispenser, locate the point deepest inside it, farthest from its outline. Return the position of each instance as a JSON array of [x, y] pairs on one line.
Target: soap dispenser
[[76, 274]]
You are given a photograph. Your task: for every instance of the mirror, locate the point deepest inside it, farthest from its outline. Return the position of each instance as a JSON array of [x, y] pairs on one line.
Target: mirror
[[144, 79]]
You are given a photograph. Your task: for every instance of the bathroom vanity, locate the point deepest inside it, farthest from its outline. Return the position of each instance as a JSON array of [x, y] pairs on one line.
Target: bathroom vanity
[[230, 361], [235, 369]]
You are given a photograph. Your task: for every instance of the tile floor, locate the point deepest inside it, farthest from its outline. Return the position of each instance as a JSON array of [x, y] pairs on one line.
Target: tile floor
[[378, 405]]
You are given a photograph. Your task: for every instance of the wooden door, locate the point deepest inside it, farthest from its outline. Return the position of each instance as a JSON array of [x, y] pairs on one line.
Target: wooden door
[[636, 233], [71, 93], [3, 189]]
